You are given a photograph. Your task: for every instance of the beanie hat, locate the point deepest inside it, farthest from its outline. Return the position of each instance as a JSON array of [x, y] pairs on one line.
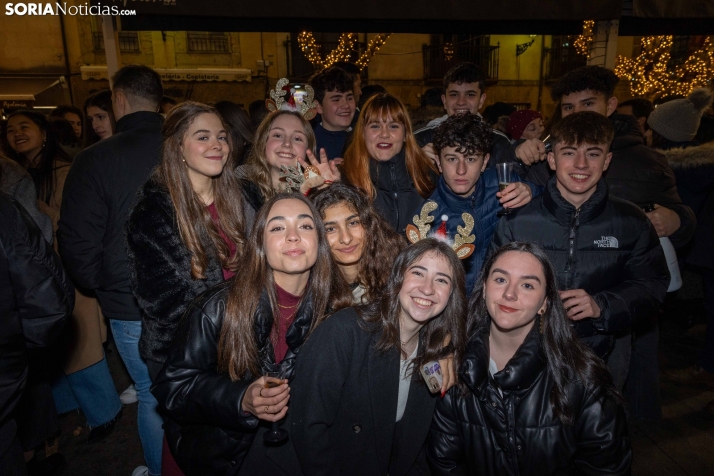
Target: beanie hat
[[519, 120], [678, 120]]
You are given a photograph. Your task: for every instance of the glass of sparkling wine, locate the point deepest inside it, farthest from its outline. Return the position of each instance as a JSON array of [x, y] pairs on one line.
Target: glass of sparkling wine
[[276, 434], [505, 171]]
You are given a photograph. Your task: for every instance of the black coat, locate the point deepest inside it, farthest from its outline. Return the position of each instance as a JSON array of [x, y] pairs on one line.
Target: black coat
[[642, 176], [160, 270], [206, 429], [36, 297], [614, 255], [344, 406], [98, 195], [486, 433]]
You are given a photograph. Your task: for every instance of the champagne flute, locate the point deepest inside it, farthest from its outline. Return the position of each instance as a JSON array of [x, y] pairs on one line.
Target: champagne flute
[[504, 171], [276, 434]]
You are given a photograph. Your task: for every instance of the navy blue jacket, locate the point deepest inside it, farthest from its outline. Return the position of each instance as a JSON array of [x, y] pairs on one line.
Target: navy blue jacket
[[483, 205], [333, 142]]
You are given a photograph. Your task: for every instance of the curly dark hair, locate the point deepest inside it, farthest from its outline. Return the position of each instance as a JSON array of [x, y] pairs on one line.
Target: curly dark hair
[[594, 78], [465, 73], [382, 243], [331, 79], [467, 132]]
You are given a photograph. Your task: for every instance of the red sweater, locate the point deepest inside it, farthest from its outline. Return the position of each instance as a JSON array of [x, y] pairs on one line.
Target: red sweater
[[227, 274], [288, 305]]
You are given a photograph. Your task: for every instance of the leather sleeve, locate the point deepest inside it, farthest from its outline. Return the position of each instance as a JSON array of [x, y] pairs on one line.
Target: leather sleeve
[[445, 447], [189, 387]]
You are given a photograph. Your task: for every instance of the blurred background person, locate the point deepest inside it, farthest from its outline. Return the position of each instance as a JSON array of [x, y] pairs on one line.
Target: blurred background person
[[525, 124], [100, 117], [241, 130]]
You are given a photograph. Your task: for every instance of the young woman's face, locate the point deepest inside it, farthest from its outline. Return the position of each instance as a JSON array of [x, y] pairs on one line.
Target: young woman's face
[[515, 291], [24, 136], [384, 138], [205, 147], [345, 234], [76, 123], [534, 129], [426, 288], [100, 121], [290, 238], [286, 142]]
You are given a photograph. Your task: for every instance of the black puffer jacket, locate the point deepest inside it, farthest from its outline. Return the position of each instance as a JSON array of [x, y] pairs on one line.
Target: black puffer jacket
[[614, 255], [160, 269], [516, 433], [642, 176], [207, 430]]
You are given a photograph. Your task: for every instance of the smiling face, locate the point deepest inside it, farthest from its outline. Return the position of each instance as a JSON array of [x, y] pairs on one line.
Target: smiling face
[[345, 234], [291, 239], [534, 129], [205, 147], [100, 121], [75, 121], [426, 290], [286, 142], [384, 138], [461, 171], [337, 109], [461, 98], [514, 292], [24, 136], [578, 169], [587, 100]]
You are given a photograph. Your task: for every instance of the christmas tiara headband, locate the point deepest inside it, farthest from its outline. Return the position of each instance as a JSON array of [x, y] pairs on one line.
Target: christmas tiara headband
[[305, 106], [462, 241]]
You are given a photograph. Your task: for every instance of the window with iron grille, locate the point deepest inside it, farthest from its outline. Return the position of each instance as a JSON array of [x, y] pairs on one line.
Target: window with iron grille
[[128, 42], [207, 42], [562, 57], [446, 51]]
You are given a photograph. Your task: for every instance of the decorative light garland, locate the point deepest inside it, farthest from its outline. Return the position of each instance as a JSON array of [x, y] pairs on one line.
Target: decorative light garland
[[582, 42], [448, 51], [650, 76], [344, 49], [374, 45]]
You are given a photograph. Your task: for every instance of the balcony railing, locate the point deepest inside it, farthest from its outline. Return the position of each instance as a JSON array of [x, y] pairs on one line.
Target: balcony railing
[[128, 42], [562, 59], [437, 61], [200, 42]]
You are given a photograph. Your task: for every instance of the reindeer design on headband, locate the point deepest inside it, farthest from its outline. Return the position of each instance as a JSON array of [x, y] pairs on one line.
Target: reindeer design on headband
[[305, 106], [462, 244]]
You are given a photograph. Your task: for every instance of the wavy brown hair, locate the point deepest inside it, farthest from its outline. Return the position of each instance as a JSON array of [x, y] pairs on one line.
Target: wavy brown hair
[[383, 107], [382, 243], [449, 326], [258, 166], [198, 232], [328, 292]]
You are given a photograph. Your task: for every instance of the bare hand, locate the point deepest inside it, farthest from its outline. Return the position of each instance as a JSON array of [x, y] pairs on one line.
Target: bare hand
[[531, 151], [268, 404], [579, 304], [664, 220], [431, 153], [448, 373], [515, 195], [328, 169]]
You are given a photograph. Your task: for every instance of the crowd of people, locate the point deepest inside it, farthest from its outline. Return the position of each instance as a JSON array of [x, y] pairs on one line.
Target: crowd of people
[[351, 294]]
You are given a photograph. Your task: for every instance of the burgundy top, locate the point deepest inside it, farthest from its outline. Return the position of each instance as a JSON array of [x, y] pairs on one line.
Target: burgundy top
[[288, 306], [227, 274]]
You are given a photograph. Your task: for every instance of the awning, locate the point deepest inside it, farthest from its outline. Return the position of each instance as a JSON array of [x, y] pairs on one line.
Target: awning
[[185, 74], [29, 91], [16, 101]]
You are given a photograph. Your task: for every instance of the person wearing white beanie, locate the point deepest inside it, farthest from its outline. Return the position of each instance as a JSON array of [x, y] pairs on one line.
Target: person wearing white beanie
[[678, 120]]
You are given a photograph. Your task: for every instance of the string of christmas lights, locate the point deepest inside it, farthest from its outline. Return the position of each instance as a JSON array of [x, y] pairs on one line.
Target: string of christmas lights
[[344, 49], [374, 45], [650, 74], [582, 42]]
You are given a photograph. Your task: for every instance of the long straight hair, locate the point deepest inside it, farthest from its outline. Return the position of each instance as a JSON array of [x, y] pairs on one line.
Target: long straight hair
[[198, 231], [567, 358], [259, 168], [383, 315], [382, 107], [237, 346]]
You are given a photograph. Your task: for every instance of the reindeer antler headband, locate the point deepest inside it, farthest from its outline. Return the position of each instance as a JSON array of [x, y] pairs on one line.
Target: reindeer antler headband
[[307, 107], [463, 239]]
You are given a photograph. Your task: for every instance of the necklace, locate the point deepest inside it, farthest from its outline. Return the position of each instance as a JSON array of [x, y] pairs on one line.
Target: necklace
[[410, 339], [288, 307]]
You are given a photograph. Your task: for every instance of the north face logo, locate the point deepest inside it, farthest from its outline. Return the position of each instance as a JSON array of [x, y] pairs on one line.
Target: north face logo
[[607, 242]]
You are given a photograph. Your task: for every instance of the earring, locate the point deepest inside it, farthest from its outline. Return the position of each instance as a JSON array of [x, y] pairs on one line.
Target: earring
[[541, 313]]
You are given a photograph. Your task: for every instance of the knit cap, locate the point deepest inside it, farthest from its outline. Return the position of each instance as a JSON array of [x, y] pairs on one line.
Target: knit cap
[[678, 120], [519, 120]]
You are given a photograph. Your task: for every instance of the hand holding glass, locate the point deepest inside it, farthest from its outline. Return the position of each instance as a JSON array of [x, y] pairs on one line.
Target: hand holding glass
[[504, 171], [276, 434]]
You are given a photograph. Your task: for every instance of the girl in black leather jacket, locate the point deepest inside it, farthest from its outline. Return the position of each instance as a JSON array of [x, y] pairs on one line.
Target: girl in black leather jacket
[[533, 399], [211, 385]]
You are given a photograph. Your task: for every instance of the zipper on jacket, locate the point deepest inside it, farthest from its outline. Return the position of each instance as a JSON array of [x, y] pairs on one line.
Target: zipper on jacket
[[393, 176], [511, 432], [574, 224]]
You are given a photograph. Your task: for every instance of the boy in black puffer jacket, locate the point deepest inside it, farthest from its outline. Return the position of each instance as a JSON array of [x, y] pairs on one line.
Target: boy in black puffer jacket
[[611, 267]]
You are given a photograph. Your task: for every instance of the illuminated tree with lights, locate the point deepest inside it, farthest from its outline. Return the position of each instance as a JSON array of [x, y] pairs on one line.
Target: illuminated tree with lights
[[344, 49]]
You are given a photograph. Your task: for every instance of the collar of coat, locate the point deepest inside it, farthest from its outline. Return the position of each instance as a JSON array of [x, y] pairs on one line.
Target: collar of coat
[[457, 203], [564, 211], [520, 372], [139, 119]]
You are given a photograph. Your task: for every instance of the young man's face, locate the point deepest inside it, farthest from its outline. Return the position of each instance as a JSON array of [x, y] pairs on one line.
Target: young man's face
[[578, 169], [461, 98], [337, 110], [461, 171], [587, 100]]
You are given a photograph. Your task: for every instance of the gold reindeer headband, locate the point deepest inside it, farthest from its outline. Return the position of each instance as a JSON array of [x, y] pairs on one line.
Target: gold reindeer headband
[[462, 241], [304, 104]]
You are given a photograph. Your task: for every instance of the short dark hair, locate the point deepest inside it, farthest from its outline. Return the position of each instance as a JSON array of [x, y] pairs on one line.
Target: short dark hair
[[257, 112], [329, 80], [431, 98], [583, 127], [594, 78], [63, 109], [641, 107], [467, 132], [465, 73], [139, 81]]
